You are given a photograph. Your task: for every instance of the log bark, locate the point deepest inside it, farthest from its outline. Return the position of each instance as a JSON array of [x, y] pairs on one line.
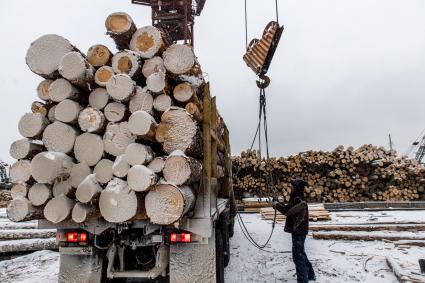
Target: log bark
[[157, 164], [120, 27], [39, 194], [99, 55], [83, 212], [117, 137], [26, 234], [99, 98], [75, 68], [179, 59], [162, 103], [20, 171], [58, 209], [103, 171], [179, 131], [121, 87], [166, 203], [43, 90], [62, 89], [147, 41], [103, 75], [45, 53], [120, 167], [28, 245], [138, 154], [59, 137], [19, 190], [141, 179], [143, 125], [63, 186], [115, 112], [32, 125], [51, 114], [79, 172], [91, 120], [118, 203], [153, 65], [157, 83], [47, 166], [20, 225], [88, 148], [129, 63], [88, 190], [180, 169], [21, 209], [141, 101], [67, 111], [25, 149]]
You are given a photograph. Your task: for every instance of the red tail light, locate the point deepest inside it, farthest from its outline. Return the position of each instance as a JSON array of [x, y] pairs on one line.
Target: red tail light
[[74, 237], [83, 237], [180, 238]]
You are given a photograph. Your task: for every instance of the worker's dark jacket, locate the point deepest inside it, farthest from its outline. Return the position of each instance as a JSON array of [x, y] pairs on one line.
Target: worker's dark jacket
[[296, 215]]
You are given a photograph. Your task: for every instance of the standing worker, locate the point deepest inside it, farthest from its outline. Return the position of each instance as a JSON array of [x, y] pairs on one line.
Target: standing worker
[[297, 224]]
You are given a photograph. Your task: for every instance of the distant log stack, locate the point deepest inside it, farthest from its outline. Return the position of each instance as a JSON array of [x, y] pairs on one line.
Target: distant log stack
[[106, 139], [368, 173]]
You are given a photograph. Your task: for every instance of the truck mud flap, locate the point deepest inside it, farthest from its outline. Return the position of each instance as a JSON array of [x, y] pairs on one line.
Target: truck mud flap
[[79, 265]]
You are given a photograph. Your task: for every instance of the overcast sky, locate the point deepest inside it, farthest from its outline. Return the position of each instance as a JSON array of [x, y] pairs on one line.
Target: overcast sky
[[346, 72]]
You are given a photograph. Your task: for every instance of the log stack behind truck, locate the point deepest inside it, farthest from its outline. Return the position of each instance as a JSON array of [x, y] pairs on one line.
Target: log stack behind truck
[[126, 155]]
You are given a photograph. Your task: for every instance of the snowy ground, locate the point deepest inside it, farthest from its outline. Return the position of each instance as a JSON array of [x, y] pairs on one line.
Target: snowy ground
[[334, 261]]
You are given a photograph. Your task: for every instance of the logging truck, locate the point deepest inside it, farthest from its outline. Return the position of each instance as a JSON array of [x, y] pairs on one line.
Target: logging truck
[[194, 249]]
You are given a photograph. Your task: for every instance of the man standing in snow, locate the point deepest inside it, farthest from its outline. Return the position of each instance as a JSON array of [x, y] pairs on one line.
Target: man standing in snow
[[297, 224]]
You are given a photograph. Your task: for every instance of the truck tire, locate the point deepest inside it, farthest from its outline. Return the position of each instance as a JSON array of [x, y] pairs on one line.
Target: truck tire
[[219, 253], [226, 239]]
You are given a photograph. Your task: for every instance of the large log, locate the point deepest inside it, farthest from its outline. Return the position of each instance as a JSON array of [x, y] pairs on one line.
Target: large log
[[47, 166], [115, 112], [179, 131], [162, 103], [147, 41], [59, 137], [32, 125], [141, 101], [193, 109], [140, 178], [20, 209], [58, 209], [184, 93], [157, 83], [143, 125], [25, 148], [79, 172], [129, 63], [63, 186], [91, 120], [45, 53], [179, 59], [17, 246], [88, 148], [120, 27], [118, 203], [153, 65], [180, 169], [62, 89], [167, 203], [19, 190], [121, 87], [43, 90], [83, 212], [67, 111], [117, 137], [75, 68], [138, 154], [99, 98], [26, 234], [103, 75], [88, 190], [103, 171], [157, 164], [20, 171], [39, 194], [120, 167], [99, 55]]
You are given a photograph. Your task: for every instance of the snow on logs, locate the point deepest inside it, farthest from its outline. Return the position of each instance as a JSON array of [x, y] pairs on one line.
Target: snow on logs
[[127, 62], [88, 190], [147, 41], [39, 194], [117, 137], [140, 178], [32, 125], [142, 100], [59, 209], [91, 120], [180, 169], [138, 154], [99, 55], [120, 27], [75, 68], [143, 125], [99, 98], [121, 87], [47, 166], [59, 137], [21, 209], [103, 75]]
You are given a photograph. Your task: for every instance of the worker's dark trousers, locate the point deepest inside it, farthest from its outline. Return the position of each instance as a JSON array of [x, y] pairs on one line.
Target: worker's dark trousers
[[302, 264]]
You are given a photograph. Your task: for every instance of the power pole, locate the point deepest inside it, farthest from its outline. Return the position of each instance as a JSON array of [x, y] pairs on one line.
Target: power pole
[[390, 141]]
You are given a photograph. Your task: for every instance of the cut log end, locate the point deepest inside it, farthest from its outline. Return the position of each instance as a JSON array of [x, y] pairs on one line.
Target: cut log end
[[127, 62], [39, 194], [180, 169], [154, 65], [103, 75], [157, 82], [99, 98], [47, 166], [74, 67], [43, 90], [179, 59], [20, 171], [138, 154], [120, 27], [141, 101], [162, 103], [21, 209], [120, 167], [19, 190], [67, 111], [24, 148], [32, 125], [147, 41], [91, 120], [79, 172], [58, 209], [89, 148], [59, 137], [99, 55], [103, 171], [115, 112], [117, 137], [142, 124], [121, 87], [140, 178], [62, 89], [88, 190], [83, 212], [157, 164]]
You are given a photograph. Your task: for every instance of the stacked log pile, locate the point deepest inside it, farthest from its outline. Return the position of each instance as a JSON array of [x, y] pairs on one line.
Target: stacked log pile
[[111, 137], [368, 173]]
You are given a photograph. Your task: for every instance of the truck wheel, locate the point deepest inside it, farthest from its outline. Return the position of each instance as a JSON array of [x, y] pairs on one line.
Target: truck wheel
[[226, 241], [219, 253]]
